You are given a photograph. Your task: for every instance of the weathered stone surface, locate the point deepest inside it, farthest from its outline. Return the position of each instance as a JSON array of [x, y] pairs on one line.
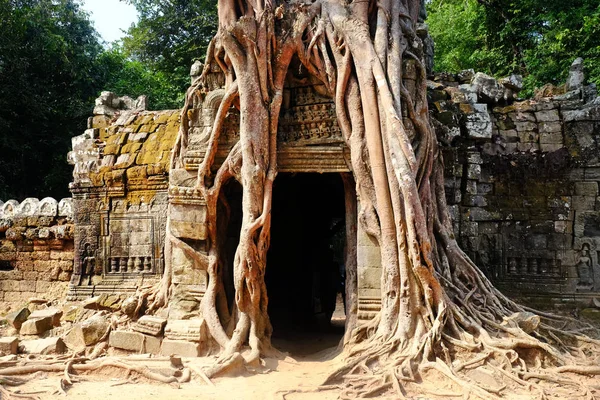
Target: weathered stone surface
[[513, 82], [53, 345], [576, 75], [17, 318], [150, 325], [179, 348], [129, 305], [53, 313], [94, 329], [188, 330], [134, 341], [479, 124], [103, 302], [36, 326], [9, 345], [74, 340]]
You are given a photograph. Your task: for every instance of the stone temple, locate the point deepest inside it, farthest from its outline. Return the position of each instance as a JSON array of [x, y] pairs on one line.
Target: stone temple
[[522, 182]]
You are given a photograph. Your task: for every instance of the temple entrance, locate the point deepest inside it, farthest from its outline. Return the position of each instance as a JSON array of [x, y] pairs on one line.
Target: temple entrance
[[305, 264]]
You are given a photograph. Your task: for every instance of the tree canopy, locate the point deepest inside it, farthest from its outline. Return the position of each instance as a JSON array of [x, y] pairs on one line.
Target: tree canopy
[[52, 67], [536, 38], [171, 35], [48, 80]]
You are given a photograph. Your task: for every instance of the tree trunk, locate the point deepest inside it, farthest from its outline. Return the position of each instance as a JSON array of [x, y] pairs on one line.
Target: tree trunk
[[438, 310]]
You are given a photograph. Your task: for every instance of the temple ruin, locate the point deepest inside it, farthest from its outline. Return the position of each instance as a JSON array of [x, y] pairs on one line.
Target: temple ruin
[[521, 180]]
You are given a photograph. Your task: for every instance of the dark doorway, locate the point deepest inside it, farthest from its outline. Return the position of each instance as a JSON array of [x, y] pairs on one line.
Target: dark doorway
[[305, 269]]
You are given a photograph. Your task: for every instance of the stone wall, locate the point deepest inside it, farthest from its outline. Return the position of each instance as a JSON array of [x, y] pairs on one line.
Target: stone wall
[[119, 188], [36, 250], [522, 183]]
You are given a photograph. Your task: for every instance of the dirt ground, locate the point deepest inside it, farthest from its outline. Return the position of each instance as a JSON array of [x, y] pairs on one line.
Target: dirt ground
[[311, 357], [304, 374]]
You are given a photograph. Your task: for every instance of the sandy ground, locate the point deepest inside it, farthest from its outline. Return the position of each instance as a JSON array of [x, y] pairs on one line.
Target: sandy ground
[[304, 374], [310, 360]]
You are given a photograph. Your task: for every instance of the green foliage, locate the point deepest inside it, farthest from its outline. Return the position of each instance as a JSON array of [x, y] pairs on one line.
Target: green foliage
[[171, 35], [48, 80], [133, 78], [536, 38]]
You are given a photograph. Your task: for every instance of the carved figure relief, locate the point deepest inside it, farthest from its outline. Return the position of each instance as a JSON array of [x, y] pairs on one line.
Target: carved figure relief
[[585, 273], [88, 265]]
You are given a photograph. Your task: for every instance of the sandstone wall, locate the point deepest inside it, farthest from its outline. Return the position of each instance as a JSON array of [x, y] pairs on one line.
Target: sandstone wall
[[36, 250], [522, 184]]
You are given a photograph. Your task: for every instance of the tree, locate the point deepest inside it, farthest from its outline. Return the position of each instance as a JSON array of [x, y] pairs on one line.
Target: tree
[[536, 38], [171, 35], [47, 86], [439, 312], [135, 78]]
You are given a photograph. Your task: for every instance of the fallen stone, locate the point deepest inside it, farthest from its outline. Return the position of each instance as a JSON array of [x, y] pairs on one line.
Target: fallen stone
[[36, 326], [71, 313], [150, 325], [576, 75], [513, 82], [73, 339], [17, 318], [53, 313], [525, 320], [179, 348], [134, 341], [94, 329], [103, 302], [189, 330], [9, 345], [129, 305], [53, 345]]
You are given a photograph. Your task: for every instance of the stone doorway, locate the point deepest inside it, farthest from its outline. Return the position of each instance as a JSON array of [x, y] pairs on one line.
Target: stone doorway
[[305, 263]]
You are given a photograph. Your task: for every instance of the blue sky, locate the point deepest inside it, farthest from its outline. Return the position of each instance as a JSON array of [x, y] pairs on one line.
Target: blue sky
[[110, 17]]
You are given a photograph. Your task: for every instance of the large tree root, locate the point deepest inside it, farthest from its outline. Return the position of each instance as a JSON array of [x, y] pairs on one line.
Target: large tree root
[[440, 314]]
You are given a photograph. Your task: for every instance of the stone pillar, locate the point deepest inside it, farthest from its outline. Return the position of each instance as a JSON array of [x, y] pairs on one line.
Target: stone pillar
[[369, 276]]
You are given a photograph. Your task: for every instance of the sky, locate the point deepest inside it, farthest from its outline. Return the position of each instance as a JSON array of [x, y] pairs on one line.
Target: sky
[[110, 17]]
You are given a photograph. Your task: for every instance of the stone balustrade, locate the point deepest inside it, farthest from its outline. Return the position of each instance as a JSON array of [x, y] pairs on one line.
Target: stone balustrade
[[36, 249]]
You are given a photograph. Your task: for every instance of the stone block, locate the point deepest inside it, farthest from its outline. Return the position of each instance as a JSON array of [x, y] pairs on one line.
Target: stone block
[[474, 171], [9, 345], [551, 138], [73, 339], [36, 326], [179, 348], [189, 330], [53, 313], [469, 229], [150, 325], [94, 329], [548, 127], [586, 188], [525, 126], [18, 317], [550, 147], [103, 302], [528, 137], [510, 133], [53, 345], [547, 116], [479, 123], [583, 203], [369, 277], [134, 341]]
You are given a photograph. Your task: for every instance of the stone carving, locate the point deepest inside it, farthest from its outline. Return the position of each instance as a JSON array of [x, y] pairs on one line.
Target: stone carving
[[65, 208], [9, 209], [28, 207], [48, 207], [88, 265], [585, 272]]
